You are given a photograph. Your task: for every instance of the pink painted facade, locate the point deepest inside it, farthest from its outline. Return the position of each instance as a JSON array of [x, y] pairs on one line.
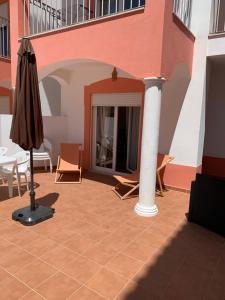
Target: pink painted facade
[[143, 43], [146, 42]]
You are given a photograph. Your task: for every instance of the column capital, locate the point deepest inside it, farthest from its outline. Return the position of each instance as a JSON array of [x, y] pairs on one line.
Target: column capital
[[154, 81]]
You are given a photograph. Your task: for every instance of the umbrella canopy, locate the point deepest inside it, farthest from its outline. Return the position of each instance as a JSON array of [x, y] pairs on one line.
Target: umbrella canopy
[[27, 124], [27, 127]]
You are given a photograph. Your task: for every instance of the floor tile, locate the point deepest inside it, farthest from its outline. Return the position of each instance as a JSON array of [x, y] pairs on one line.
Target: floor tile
[[15, 259], [140, 251], [59, 256], [58, 287], [124, 265], [40, 246], [107, 283], [11, 289], [32, 296], [100, 253], [95, 237], [81, 269], [79, 244], [192, 282], [85, 294], [34, 273], [133, 291]]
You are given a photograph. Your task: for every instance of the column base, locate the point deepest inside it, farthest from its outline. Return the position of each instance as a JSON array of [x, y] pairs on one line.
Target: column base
[[146, 211]]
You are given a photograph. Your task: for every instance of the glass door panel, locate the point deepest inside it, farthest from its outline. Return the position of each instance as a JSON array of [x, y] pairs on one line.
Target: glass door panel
[[104, 136], [127, 139], [133, 138]]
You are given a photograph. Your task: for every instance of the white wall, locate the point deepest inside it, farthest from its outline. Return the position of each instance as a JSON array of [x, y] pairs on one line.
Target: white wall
[[73, 95], [50, 94], [55, 129], [215, 113], [188, 138], [69, 126]]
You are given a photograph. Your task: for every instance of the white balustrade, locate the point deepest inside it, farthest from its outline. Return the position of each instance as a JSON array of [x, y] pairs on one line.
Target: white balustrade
[[46, 15], [182, 9]]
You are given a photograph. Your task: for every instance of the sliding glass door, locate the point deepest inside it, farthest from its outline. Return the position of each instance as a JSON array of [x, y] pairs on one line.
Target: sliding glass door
[[115, 138]]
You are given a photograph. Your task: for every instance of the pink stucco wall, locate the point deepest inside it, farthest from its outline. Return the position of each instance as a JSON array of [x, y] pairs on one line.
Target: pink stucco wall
[[145, 43], [178, 43], [132, 43], [5, 69]]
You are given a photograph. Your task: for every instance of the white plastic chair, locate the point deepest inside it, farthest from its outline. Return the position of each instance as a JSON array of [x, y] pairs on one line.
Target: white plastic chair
[[44, 153], [7, 172], [23, 164], [3, 150], [17, 169]]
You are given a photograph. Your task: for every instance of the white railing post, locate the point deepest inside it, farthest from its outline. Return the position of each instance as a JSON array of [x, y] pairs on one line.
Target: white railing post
[[24, 17], [96, 8], [71, 12], [83, 10]]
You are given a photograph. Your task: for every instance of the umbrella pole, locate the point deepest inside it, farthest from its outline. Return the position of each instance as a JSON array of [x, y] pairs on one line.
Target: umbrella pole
[[32, 214], [32, 192]]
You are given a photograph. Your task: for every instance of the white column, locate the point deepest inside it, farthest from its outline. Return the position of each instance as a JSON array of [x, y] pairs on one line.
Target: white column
[[149, 147]]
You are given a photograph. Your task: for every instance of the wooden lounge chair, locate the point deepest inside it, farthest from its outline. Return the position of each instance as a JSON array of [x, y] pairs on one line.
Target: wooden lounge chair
[[69, 162], [132, 180]]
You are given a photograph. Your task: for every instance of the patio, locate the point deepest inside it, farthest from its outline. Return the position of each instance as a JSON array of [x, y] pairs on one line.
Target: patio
[[96, 247]]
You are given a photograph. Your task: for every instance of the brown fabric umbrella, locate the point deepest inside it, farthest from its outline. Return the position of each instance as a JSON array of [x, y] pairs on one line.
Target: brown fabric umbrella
[[27, 125]]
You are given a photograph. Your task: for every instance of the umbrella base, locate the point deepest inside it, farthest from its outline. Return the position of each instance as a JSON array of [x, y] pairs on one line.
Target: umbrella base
[[28, 217]]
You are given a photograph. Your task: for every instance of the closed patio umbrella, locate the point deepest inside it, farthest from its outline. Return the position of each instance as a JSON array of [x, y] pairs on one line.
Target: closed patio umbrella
[[27, 126]]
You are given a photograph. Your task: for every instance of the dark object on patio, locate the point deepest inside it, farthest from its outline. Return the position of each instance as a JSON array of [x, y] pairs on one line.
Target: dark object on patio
[[27, 126], [207, 203]]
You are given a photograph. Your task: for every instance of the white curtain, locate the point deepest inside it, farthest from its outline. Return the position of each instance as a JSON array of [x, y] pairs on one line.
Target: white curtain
[[214, 16], [182, 8], [106, 127]]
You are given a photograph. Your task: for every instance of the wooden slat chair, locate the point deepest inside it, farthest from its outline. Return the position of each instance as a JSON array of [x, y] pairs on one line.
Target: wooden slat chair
[[69, 162], [132, 180]]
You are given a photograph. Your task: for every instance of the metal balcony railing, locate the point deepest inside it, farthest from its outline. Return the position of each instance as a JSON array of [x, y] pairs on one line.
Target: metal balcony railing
[[217, 21], [182, 9], [4, 37], [46, 15]]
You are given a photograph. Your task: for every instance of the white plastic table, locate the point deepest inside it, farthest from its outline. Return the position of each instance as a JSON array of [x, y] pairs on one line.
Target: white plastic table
[[8, 160]]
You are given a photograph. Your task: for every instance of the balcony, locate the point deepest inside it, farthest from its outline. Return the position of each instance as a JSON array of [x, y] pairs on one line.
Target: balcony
[[44, 16], [217, 22], [182, 9], [4, 37]]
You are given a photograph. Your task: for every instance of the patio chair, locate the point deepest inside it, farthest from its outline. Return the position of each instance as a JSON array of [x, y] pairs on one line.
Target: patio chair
[[3, 150], [132, 180], [18, 169], [44, 153], [69, 162]]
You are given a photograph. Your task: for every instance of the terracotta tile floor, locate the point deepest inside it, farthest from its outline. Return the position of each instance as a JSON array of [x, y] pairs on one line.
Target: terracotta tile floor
[[97, 248]]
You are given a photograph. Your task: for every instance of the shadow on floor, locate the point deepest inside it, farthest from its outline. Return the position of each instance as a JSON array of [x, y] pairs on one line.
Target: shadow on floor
[[48, 200], [190, 266], [4, 192], [101, 178]]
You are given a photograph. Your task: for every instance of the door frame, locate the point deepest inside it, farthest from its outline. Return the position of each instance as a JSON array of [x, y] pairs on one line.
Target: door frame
[[121, 85], [113, 103]]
